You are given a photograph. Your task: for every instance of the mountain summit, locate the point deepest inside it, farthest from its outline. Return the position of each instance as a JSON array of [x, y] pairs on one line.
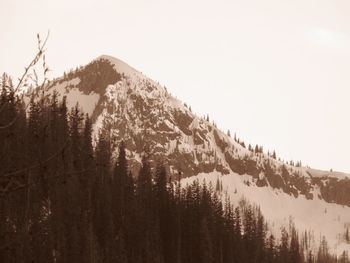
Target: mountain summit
[[145, 115], [120, 66]]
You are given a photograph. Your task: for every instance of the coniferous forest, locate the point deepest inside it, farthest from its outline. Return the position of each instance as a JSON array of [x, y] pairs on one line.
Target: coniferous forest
[[64, 198]]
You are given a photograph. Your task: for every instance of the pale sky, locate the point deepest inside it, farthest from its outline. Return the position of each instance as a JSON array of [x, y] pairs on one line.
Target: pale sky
[[277, 72]]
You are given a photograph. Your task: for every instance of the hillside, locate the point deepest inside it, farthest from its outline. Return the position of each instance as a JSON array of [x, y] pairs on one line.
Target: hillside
[[146, 116]]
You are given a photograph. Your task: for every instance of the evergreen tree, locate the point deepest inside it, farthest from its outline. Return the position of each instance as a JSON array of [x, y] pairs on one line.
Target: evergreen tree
[[346, 236], [206, 246], [283, 252], [294, 247], [274, 155], [271, 252]]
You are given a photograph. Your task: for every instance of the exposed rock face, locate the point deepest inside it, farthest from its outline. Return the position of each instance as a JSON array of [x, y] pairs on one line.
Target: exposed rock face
[[143, 114]]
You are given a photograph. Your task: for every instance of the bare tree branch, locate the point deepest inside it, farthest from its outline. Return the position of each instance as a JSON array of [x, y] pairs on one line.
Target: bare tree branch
[[40, 54]]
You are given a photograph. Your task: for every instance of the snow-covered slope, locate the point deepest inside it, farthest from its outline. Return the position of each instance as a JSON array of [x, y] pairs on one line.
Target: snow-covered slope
[[316, 217], [146, 116]]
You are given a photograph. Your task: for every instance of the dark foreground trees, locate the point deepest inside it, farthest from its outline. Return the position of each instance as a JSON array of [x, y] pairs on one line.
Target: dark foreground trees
[[63, 200]]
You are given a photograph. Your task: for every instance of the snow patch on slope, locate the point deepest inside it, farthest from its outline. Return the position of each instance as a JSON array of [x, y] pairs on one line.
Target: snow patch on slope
[[278, 208], [68, 88]]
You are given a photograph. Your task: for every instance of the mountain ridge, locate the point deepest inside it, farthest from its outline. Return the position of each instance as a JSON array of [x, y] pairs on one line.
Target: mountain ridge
[[132, 87]]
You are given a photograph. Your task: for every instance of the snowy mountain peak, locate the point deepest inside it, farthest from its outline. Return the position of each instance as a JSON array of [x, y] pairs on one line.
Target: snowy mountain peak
[[143, 113], [140, 111], [121, 67]]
